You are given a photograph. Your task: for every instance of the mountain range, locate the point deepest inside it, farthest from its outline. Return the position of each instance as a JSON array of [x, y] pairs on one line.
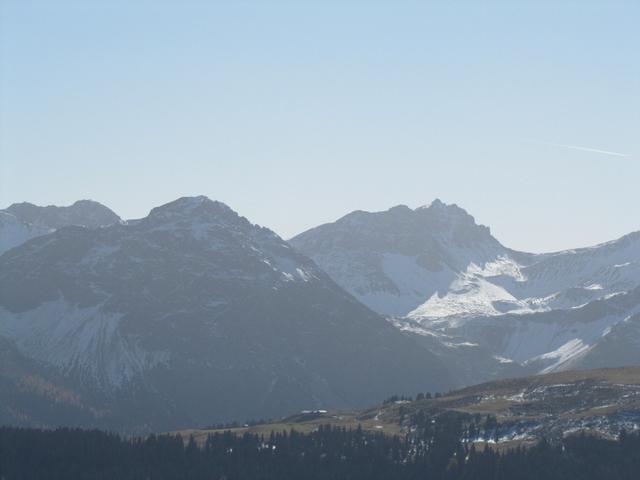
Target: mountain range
[[193, 315]]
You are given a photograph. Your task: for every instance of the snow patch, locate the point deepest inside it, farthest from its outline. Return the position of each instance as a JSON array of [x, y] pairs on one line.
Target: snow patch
[[14, 232], [79, 341], [564, 354]]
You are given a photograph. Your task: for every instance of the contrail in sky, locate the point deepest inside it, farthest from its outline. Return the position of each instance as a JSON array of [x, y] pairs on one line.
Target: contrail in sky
[[587, 149]]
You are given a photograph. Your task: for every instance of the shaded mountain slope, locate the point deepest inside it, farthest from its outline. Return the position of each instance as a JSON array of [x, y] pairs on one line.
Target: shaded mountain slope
[[194, 315]]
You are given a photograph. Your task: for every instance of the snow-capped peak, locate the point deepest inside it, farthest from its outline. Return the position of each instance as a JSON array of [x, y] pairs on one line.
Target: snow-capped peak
[[436, 203]]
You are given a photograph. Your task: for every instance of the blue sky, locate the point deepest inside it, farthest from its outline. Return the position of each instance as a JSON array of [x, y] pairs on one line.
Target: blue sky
[[295, 113]]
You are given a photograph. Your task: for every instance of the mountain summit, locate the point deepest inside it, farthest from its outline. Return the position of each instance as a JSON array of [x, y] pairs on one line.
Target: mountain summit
[[393, 261], [86, 213]]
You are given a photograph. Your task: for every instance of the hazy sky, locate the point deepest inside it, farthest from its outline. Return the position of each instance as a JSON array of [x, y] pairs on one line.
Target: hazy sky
[[295, 113]]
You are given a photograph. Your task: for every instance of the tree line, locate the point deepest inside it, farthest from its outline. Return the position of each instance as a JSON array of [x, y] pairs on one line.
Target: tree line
[[329, 453]]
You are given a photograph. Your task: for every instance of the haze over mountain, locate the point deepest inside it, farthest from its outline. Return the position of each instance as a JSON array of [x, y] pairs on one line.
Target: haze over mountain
[[485, 309], [205, 317], [189, 316]]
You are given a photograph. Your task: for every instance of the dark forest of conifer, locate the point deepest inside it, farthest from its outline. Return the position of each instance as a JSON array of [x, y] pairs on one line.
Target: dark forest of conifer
[[329, 453]]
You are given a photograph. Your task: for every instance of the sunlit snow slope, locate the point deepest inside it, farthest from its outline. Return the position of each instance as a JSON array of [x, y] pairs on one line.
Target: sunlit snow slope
[[442, 276]]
